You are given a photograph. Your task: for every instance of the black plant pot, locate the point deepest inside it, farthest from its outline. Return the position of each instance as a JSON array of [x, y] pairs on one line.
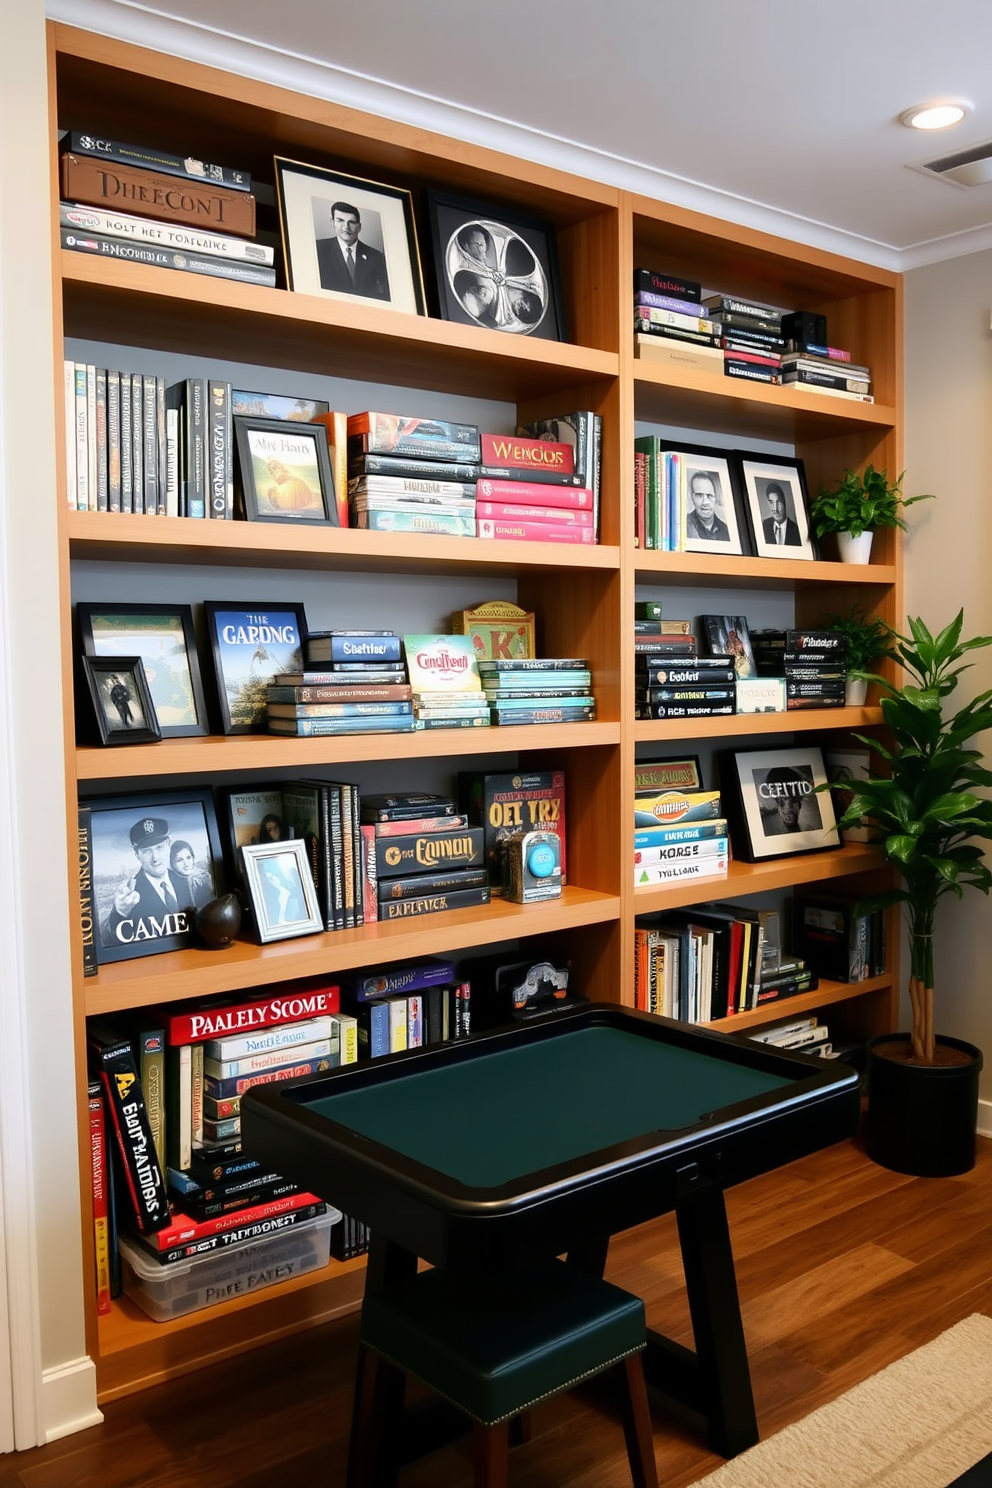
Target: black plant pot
[[921, 1117]]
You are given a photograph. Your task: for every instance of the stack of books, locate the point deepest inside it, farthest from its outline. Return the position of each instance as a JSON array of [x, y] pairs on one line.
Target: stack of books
[[808, 361], [420, 856], [203, 226], [706, 962], [355, 682], [539, 690], [671, 679], [531, 491], [836, 939], [678, 834], [444, 676], [410, 474], [409, 1006], [584, 431], [750, 337], [671, 325], [805, 1035], [812, 663]]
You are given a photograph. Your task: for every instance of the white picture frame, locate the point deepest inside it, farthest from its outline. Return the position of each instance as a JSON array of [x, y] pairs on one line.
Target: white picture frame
[[281, 888]]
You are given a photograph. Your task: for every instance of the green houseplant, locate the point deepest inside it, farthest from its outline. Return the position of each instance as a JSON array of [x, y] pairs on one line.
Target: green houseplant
[[868, 637], [860, 504], [927, 818]]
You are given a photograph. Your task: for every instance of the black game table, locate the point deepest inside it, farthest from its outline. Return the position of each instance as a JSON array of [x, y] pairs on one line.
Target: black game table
[[550, 1136]]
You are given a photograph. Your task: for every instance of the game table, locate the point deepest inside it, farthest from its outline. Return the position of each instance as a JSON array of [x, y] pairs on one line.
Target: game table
[[547, 1137]]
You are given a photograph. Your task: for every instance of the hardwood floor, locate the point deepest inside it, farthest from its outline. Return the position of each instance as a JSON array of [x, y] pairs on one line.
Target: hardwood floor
[[842, 1267]]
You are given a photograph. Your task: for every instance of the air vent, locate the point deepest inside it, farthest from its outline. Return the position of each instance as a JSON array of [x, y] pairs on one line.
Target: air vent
[[966, 168]]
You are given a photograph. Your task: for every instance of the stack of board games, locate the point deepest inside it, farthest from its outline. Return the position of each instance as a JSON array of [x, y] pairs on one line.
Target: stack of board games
[[679, 829], [809, 362], [539, 690], [194, 217], [419, 856], [411, 474], [408, 1006], [671, 325], [445, 682], [355, 682], [750, 337], [504, 805], [530, 490], [584, 431], [811, 662], [671, 679]]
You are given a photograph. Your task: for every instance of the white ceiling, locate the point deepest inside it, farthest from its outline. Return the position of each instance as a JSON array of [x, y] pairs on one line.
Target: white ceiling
[[779, 113]]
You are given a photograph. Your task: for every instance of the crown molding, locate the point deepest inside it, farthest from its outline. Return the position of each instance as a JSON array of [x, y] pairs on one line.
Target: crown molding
[[939, 250]]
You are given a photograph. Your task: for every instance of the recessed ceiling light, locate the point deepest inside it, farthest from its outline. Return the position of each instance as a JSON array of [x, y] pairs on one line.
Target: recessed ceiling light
[[934, 115]]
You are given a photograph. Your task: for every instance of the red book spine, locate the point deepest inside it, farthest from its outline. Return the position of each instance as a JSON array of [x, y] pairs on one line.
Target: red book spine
[[527, 454], [579, 498], [183, 1229], [370, 882], [534, 532], [101, 1238], [512, 511], [292, 1006]]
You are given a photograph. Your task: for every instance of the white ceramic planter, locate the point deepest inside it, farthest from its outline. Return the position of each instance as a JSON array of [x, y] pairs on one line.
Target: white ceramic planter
[[854, 549], [855, 692]]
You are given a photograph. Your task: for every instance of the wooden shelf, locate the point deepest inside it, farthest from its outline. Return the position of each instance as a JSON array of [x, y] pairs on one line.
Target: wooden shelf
[[757, 878], [110, 300], [200, 973], [827, 994], [667, 730], [182, 540], [754, 573]]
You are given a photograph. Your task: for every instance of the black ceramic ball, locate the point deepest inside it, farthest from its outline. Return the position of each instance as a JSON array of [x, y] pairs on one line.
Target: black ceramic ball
[[219, 921]]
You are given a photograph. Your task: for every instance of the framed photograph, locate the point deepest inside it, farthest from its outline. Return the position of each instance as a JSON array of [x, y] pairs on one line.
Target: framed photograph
[[728, 635], [249, 645], [156, 859], [710, 518], [348, 238], [776, 807], [285, 472], [281, 888], [777, 506], [162, 635], [122, 703], [495, 267]]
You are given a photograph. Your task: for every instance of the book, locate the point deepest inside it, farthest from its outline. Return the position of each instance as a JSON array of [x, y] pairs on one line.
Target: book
[[831, 936], [282, 1036], [169, 235], [417, 519], [225, 1017], [219, 452], [392, 808], [678, 353], [807, 377], [86, 900], [256, 1063], [578, 712], [236, 1085], [353, 645], [654, 282], [307, 728], [179, 1088], [518, 452], [506, 530], [339, 710], [183, 1229], [584, 431], [398, 856], [153, 193], [510, 512], [113, 1060], [165, 258], [421, 884], [409, 466], [440, 663], [401, 434], [99, 1177], [433, 903], [403, 486], [405, 977], [148, 1047], [146, 158]]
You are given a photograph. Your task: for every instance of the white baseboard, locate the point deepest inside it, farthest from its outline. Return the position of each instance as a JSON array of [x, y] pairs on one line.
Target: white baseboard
[[984, 1127], [68, 1399]]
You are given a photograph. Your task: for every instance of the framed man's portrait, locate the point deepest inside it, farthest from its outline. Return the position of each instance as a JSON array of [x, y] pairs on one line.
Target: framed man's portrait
[[776, 803], [705, 500], [122, 704], [777, 505], [348, 238]]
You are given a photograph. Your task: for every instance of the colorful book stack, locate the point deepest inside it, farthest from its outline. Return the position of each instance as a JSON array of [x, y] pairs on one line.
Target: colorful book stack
[[539, 690], [355, 682], [584, 431], [678, 833], [750, 337], [812, 663], [671, 679], [711, 961], [446, 686], [408, 1006], [410, 474], [808, 361], [671, 325], [203, 227], [420, 856], [530, 490]]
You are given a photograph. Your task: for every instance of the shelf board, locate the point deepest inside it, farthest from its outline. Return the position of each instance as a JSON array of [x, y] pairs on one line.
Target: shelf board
[[755, 573], [827, 994], [219, 754], [113, 300], [756, 878], [727, 405], [665, 730], [243, 966]]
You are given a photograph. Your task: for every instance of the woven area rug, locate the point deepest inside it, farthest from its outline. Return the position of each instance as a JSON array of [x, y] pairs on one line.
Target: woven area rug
[[920, 1423]]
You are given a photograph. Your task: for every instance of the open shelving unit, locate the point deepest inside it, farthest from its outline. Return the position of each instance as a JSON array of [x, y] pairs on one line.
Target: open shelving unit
[[583, 597]]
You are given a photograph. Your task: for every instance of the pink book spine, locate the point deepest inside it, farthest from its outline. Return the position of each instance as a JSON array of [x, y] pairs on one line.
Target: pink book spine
[[578, 497], [507, 510], [370, 887], [534, 532]]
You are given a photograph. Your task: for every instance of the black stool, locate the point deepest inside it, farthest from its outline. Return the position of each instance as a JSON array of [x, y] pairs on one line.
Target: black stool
[[494, 1346]]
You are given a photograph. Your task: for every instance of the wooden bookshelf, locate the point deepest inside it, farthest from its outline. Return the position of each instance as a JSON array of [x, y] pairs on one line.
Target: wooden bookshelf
[[583, 596]]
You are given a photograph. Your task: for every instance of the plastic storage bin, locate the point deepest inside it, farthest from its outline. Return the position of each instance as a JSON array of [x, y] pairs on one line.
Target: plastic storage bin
[[169, 1291]]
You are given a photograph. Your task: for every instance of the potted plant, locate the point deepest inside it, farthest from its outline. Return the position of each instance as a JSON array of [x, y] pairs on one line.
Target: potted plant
[[929, 821], [868, 637], [860, 504]]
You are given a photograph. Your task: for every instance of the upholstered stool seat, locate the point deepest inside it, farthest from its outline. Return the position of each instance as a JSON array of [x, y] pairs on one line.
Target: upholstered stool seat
[[496, 1345]]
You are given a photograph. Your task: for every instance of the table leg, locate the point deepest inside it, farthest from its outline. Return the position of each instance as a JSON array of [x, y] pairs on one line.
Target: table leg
[[590, 1256], [387, 1262]]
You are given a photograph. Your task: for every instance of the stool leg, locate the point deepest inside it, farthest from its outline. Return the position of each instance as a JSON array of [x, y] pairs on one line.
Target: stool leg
[[520, 1429], [637, 1423], [379, 1454], [361, 1417], [492, 1452]]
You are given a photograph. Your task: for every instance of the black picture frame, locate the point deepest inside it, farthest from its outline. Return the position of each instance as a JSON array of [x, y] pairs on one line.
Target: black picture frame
[[280, 886], [285, 472], [729, 512], [756, 475], [510, 281], [247, 656], [758, 785], [730, 635], [385, 269], [117, 686], [127, 833], [163, 636]]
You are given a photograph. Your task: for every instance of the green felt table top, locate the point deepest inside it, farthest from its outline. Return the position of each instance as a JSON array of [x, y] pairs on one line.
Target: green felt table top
[[494, 1119]]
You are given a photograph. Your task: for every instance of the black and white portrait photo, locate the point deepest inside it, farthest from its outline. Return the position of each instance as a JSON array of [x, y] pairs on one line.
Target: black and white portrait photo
[[776, 498], [782, 809], [710, 516], [786, 800], [122, 702], [349, 249]]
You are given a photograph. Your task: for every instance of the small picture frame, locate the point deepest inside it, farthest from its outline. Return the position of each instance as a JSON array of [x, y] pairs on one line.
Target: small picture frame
[[286, 473], [348, 238], [495, 267], [122, 702], [729, 635], [281, 888], [775, 803], [777, 505], [156, 860], [710, 518], [249, 645], [163, 636]]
